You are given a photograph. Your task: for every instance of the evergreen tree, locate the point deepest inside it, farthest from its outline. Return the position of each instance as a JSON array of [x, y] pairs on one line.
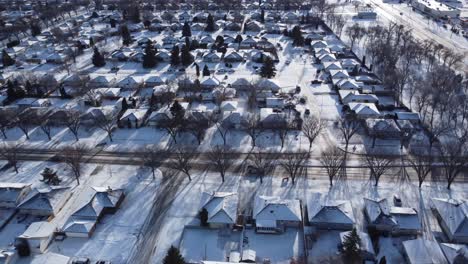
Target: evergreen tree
[[383, 260], [91, 42], [175, 59], [147, 24], [149, 58], [126, 37], [197, 69], [296, 35], [206, 71], [124, 104], [173, 256], [98, 59], [177, 111], [351, 247], [204, 217], [35, 29], [186, 31], [268, 69], [219, 41], [112, 23], [6, 59], [210, 25], [185, 55], [262, 16]]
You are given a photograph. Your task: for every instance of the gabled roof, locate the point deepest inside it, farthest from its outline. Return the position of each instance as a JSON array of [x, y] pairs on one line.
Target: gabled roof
[[9, 192], [210, 81], [423, 251], [44, 200], [274, 208], [378, 211], [240, 82], [101, 198], [333, 211], [39, 230], [364, 108], [80, 226], [453, 251], [454, 213], [136, 113], [221, 207]]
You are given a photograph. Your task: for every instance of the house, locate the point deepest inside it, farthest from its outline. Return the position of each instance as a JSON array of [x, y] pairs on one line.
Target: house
[[211, 57], [269, 85], [332, 65], [101, 201], [253, 26], [234, 119], [197, 27], [290, 18], [75, 80], [153, 81], [383, 128], [108, 93], [163, 56], [133, 118], [207, 40], [101, 81], [313, 36], [338, 74], [319, 44], [326, 57], [100, 113], [272, 118], [353, 96], [11, 194], [221, 208], [248, 43], [233, 56], [347, 84], [349, 64], [366, 248], [32, 102], [157, 118], [273, 214], [241, 84], [37, 236], [232, 26], [407, 220], [185, 17], [210, 82], [45, 202], [321, 51], [364, 110], [128, 82], [420, 250], [453, 218], [275, 102], [455, 253], [169, 41], [332, 214]]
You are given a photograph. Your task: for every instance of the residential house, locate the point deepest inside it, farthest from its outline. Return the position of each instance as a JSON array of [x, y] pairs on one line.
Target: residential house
[[350, 64], [455, 253], [364, 110], [253, 26], [128, 82], [101, 81], [32, 102], [338, 75], [153, 81], [11, 194], [210, 83], [331, 214], [453, 218], [163, 56], [248, 43], [273, 214], [37, 236], [269, 85], [347, 84], [326, 57], [332, 65], [272, 118], [233, 56], [75, 80], [241, 84], [350, 96], [133, 118], [420, 251], [212, 57], [157, 118], [319, 44], [221, 208], [207, 40], [185, 17], [383, 128], [45, 202], [275, 102]]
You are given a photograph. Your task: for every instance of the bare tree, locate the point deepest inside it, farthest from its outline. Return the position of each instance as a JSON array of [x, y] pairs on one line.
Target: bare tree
[[198, 127], [74, 156], [253, 128], [153, 157], [348, 127], [6, 119], [221, 158], [454, 156], [378, 165], [283, 133], [223, 132], [182, 156], [73, 122], [311, 128], [420, 161], [106, 124], [9, 152], [25, 121], [172, 127], [332, 159], [293, 164], [355, 33], [263, 162], [45, 123]]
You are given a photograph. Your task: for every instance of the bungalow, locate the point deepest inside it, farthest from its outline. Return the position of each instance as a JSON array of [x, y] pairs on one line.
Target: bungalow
[[101, 81], [248, 43], [57, 58], [133, 118], [234, 119], [313, 36], [232, 26], [365, 247], [420, 250], [157, 118], [75, 80], [185, 17], [207, 40], [163, 56], [169, 41], [272, 118], [211, 57], [347, 84], [153, 81], [37, 236], [47, 202], [326, 57], [269, 85], [137, 56], [383, 128], [221, 208], [350, 96], [128, 83], [333, 214], [290, 18], [364, 110], [210, 82], [319, 44], [100, 201], [332, 65], [197, 27], [273, 214], [395, 220], [321, 51], [338, 74], [253, 26], [241, 84], [233, 56], [349, 64], [11, 194], [272, 28], [455, 253], [453, 218]]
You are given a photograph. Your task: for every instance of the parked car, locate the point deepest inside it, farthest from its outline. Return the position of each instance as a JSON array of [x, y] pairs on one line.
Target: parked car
[[316, 82], [221, 71], [80, 261], [288, 62], [307, 112]]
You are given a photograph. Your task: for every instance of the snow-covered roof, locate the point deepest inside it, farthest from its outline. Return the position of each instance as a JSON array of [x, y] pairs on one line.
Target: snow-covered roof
[[332, 211], [378, 211], [39, 230], [221, 207], [240, 82], [453, 213], [229, 106], [44, 200], [275, 208], [423, 251], [364, 109], [451, 251], [10, 192], [100, 198], [273, 85], [210, 81], [137, 114], [79, 226]]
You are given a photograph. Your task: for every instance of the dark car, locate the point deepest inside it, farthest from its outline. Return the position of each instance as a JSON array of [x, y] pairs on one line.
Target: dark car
[[316, 82]]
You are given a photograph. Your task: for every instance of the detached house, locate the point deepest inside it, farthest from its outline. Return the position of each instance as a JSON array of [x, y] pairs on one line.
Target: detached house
[[336, 215], [419, 251], [11, 194], [47, 202], [211, 57], [133, 118], [273, 214], [453, 218], [221, 208], [38, 236]]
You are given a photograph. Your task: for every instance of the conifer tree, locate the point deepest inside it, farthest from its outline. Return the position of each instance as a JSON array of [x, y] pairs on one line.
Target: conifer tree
[[210, 25], [268, 69], [149, 58], [186, 31], [6, 59], [206, 71], [185, 55], [98, 59], [351, 247], [126, 37], [173, 256], [175, 59]]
